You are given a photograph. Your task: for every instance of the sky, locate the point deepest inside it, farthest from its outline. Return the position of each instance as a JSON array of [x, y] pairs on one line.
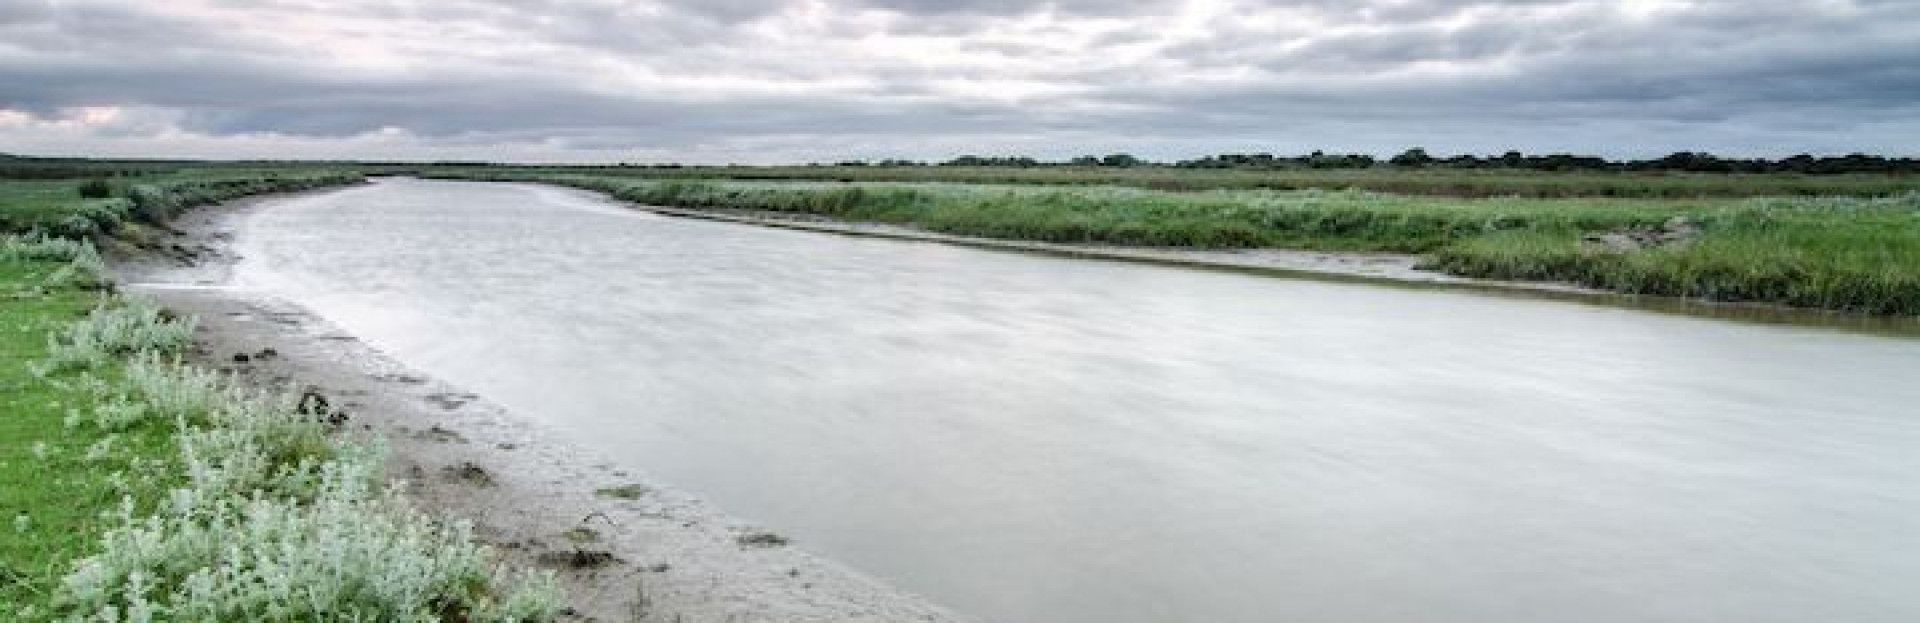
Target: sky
[[764, 81]]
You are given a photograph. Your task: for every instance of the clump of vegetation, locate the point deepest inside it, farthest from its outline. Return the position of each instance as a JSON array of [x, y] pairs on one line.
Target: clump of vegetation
[[304, 538], [42, 248], [117, 329], [95, 188], [277, 517], [83, 266]]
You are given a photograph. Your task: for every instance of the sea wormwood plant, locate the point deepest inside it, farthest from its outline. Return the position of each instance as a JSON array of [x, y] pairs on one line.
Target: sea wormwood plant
[[278, 519], [163, 390], [84, 268], [120, 327], [41, 248], [346, 553]]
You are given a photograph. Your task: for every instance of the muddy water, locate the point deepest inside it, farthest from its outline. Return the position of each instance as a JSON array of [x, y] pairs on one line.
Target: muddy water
[[1039, 440]]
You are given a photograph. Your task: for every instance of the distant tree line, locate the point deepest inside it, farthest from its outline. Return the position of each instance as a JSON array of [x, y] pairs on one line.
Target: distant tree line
[[29, 167], [1418, 158], [1685, 161]]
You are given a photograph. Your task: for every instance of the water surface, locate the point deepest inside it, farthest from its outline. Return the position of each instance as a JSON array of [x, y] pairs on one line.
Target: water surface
[[1034, 439]]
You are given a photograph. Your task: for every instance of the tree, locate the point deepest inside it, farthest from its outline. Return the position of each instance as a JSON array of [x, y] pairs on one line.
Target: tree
[[1416, 157]]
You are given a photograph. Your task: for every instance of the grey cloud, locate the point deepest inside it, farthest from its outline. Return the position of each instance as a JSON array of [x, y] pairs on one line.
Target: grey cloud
[[1534, 73], [1014, 7]]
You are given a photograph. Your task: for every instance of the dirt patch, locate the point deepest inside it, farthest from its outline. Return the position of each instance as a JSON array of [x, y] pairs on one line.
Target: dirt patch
[[395, 377], [578, 559], [440, 434], [468, 473], [450, 400], [761, 539], [1675, 232]]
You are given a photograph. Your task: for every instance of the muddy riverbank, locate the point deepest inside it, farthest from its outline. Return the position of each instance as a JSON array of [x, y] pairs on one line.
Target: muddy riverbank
[[626, 548]]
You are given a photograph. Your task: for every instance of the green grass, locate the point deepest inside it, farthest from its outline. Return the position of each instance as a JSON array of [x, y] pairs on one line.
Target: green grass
[[1334, 220], [1850, 254], [55, 206], [58, 484], [1432, 182], [1854, 255]]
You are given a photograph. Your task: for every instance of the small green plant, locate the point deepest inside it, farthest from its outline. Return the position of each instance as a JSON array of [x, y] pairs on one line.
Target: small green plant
[[622, 492]]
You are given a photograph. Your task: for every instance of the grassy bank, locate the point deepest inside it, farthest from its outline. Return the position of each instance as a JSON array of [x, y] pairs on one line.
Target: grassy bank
[[55, 482], [57, 207], [135, 487], [1833, 253], [1430, 182]]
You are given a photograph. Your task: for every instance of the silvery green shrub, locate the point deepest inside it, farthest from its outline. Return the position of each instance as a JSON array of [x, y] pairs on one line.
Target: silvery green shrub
[[350, 554], [41, 248], [278, 519], [124, 327]]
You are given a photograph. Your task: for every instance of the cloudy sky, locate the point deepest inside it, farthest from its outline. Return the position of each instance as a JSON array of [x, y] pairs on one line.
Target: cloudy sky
[[796, 80]]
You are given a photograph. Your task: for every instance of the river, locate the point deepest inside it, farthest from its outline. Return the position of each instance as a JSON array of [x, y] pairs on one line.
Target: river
[[1038, 439]]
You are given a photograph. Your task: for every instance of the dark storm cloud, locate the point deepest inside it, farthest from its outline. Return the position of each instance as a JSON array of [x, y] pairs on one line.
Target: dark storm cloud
[[926, 78]]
